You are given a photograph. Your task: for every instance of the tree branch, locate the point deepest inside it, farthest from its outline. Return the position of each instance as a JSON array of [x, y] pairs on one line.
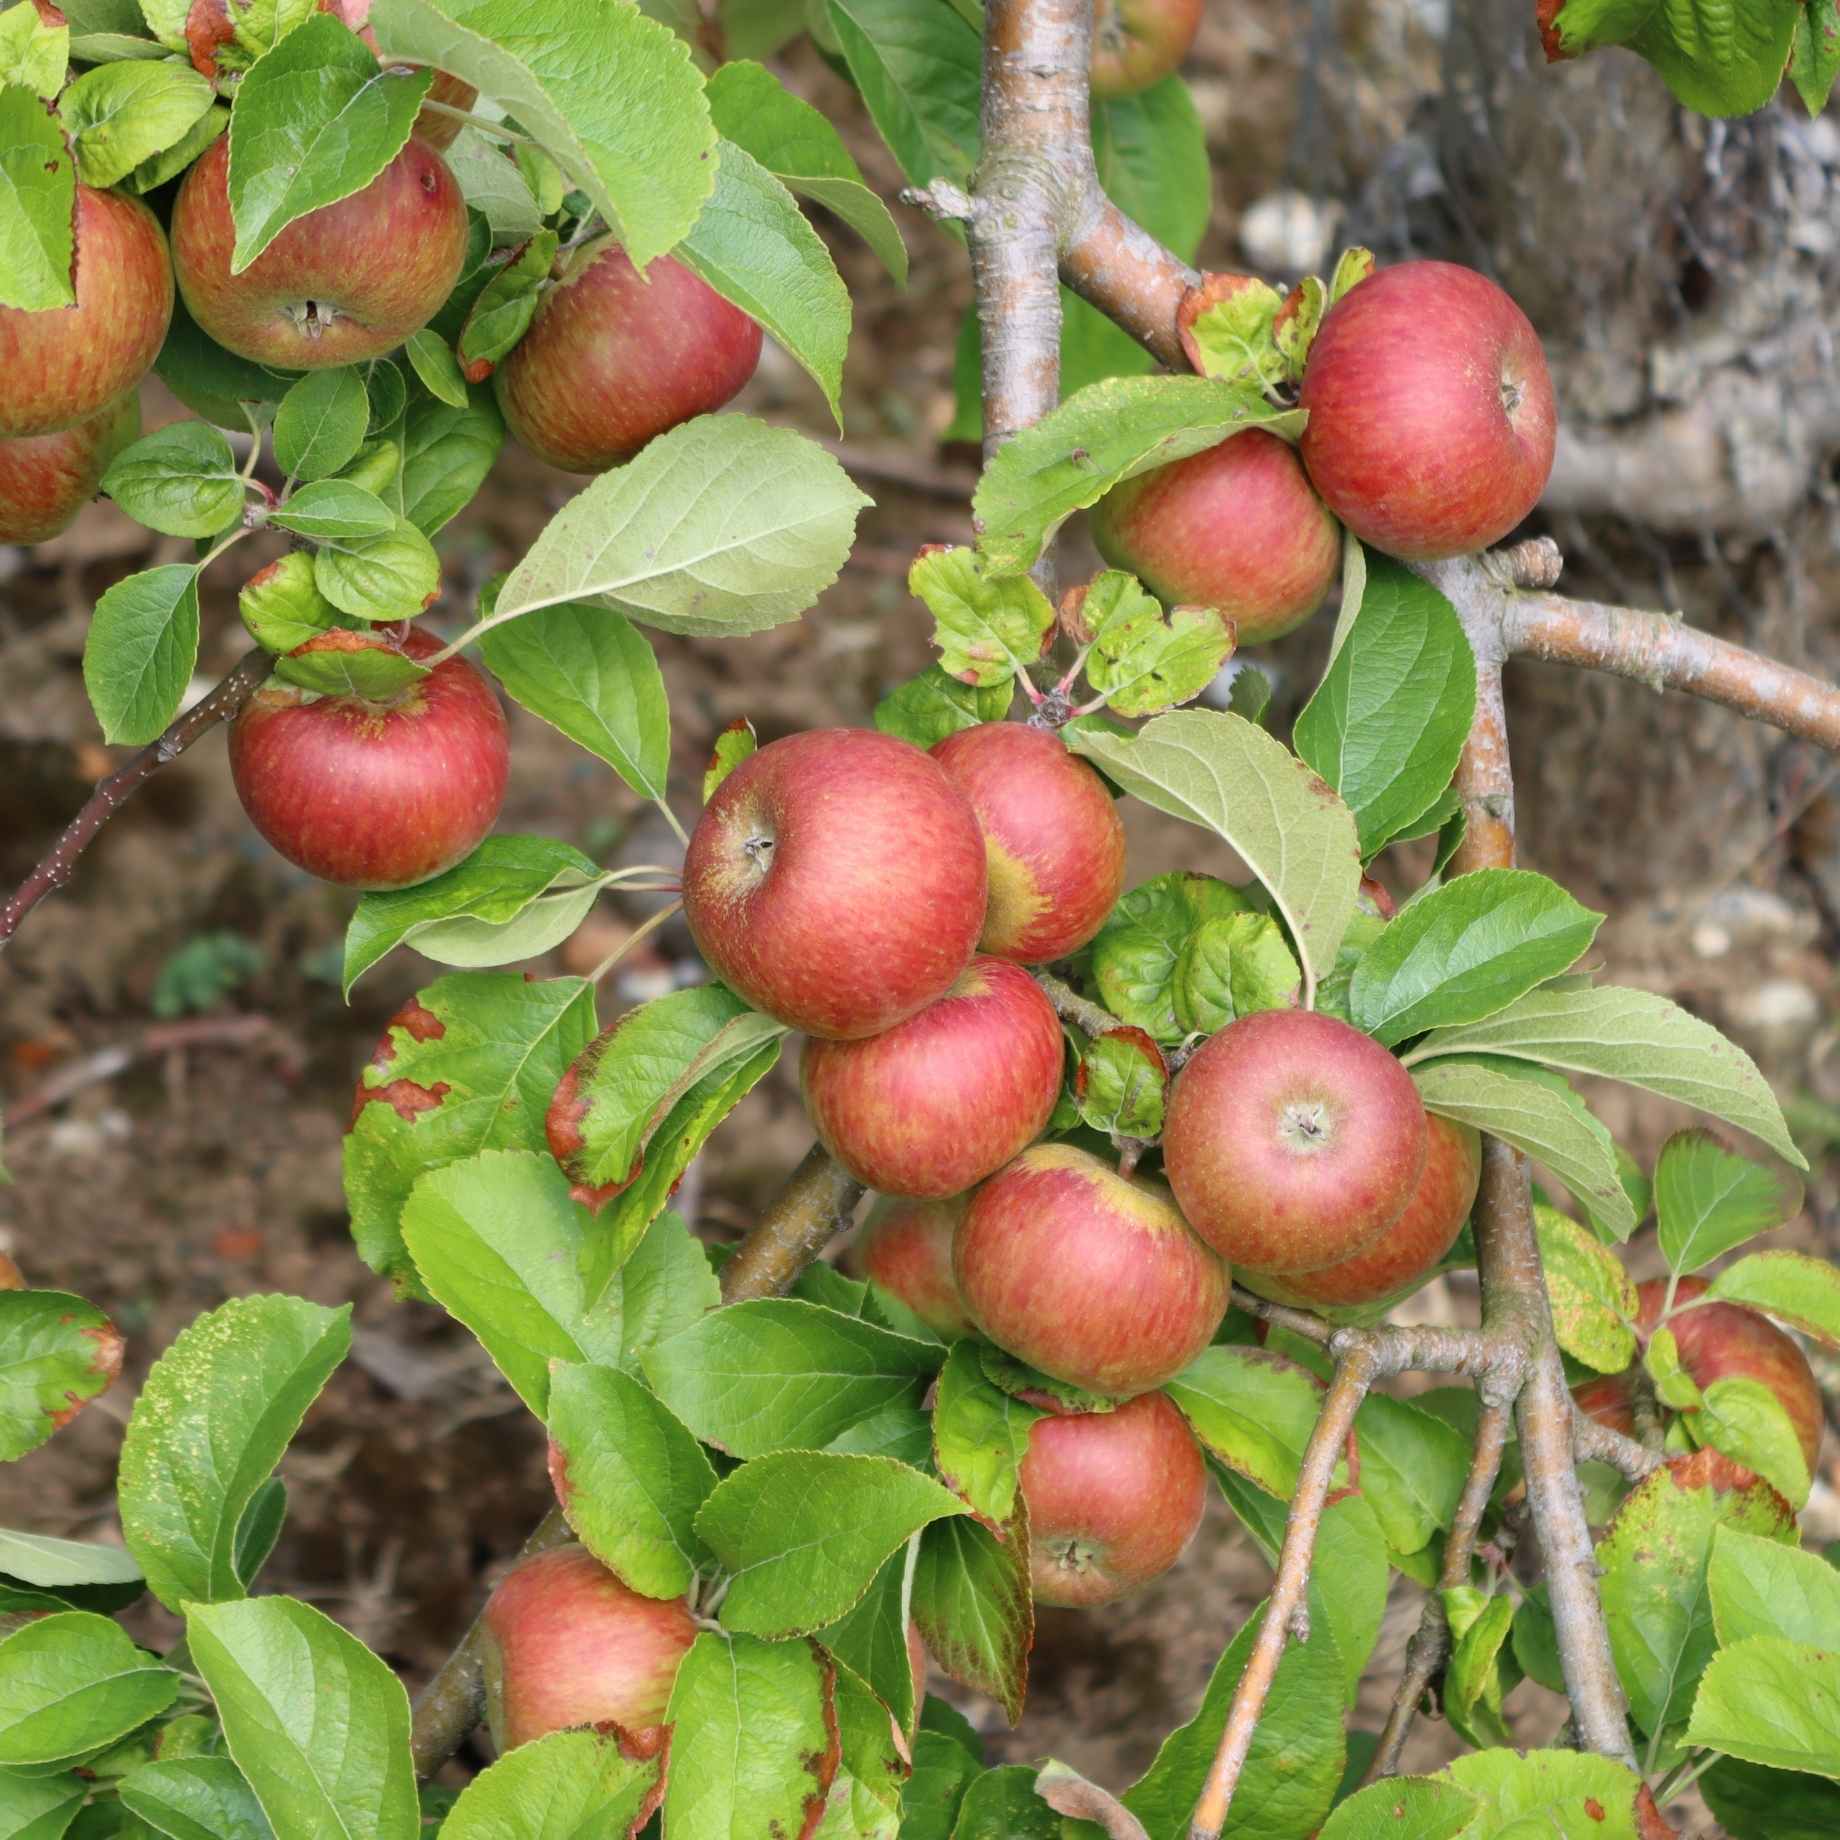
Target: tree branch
[[1595, 1443], [1120, 268], [221, 705], [1070, 1006], [815, 1203]]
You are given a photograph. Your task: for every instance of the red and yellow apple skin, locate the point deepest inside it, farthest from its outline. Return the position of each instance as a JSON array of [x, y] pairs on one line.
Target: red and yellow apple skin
[[614, 358], [1293, 1141], [1052, 835], [1432, 419], [836, 880], [1716, 1341], [67, 364], [1113, 1498], [1139, 42], [1090, 1276], [933, 1105], [374, 795], [46, 479], [1412, 1246], [1237, 526], [345, 283], [565, 1643], [905, 1247]]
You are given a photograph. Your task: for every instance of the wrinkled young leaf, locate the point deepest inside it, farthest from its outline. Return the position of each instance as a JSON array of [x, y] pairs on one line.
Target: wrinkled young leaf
[[988, 631], [1137, 954], [1721, 57], [315, 1721], [1228, 776], [213, 1419], [38, 202], [56, 1354], [1231, 967], [141, 650], [119, 115], [721, 527], [368, 669], [935, 704], [568, 1785], [394, 575], [1708, 1200], [33, 51]]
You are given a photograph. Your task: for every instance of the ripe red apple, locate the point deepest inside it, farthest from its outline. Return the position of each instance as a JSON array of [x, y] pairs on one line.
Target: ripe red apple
[[1088, 1275], [374, 795], [64, 365], [1432, 418], [1139, 42], [46, 479], [1052, 834], [344, 283], [1235, 527], [1411, 1246], [614, 358], [906, 1248], [565, 1643], [1293, 1141], [931, 1106], [1113, 1499], [836, 880], [1606, 1399]]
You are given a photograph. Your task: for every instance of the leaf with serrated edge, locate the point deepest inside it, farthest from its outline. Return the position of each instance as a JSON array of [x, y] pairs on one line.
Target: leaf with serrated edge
[[973, 1606], [1228, 776], [1801, 1290], [567, 1785], [980, 1435], [196, 1798], [1593, 1297], [1762, 1587], [70, 1683], [1772, 1702]]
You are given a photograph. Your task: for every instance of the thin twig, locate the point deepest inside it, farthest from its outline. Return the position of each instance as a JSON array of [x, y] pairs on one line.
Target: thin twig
[[220, 705], [633, 938], [1070, 1006], [1595, 1443]]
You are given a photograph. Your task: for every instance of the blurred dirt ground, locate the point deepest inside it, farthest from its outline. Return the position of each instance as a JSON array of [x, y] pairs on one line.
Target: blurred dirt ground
[[207, 1165]]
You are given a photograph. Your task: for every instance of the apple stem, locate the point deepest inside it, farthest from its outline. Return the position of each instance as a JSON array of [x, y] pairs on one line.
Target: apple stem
[[671, 818], [496, 129], [632, 939]]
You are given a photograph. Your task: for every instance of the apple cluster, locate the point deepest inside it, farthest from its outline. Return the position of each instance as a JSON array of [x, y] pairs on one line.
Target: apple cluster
[[1430, 433]]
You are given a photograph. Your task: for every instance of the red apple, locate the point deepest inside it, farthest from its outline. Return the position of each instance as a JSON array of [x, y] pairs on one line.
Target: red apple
[[1235, 527], [933, 1105], [1088, 1275], [347, 282], [1113, 1498], [1606, 1399], [374, 795], [836, 880], [62, 366], [1139, 42], [46, 479], [565, 1643], [1432, 418], [614, 358], [1052, 835], [1412, 1246], [11, 1277], [906, 1248], [1293, 1141]]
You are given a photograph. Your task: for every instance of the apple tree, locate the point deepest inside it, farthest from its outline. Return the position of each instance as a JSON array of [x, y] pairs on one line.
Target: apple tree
[[1156, 1161]]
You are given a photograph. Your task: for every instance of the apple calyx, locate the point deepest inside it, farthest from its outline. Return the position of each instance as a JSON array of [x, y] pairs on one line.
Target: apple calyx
[[1306, 1125]]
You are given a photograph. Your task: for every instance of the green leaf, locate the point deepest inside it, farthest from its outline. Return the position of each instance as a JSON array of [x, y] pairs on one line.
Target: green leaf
[[141, 650], [943, 1771], [210, 1424], [1121, 1084], [334, 508], [1099, 437], [1751, 1803], [196, 1798], [1762, 1587], [796, 144], [432, 359], [988, 632], [1389, 719], [980, 1435], [1593, 1297], [316, 120], [591, 673], [447, 453], [503, 1247], [972, 1605], [777, 1374], [1231, 967], [1466, 951], [33, 53], [1558, 1795], [1142, 660], [1774, 1702], [392, 576], [1151, 152], [736, 743], [1629, 1035], [181, 480], [1137, 954], [170, 162], [1003, 1804], [749, 1733], [56, 1354], [1295, 1764], [1814, 59], [1721, 57], [1654, 1559], [1708, 1201], [935, 704], [505, 306], [917, 69], [1422, 1807], [119, 115], [318, 1725], [568, 1785], [1803, 1291], [1228, 776], [872, 1638], [40, 1807], [618, 103], [368, 669], [1538, 1113], [1413, 1465], [38, 204], [688, 539], [71, 1683], [1745, 1419], [321, 423], [68, 1567], [1252, 1409]]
